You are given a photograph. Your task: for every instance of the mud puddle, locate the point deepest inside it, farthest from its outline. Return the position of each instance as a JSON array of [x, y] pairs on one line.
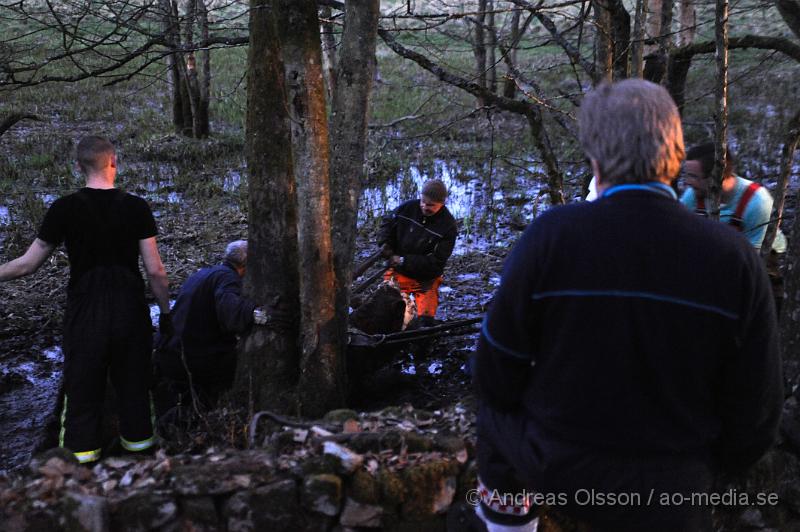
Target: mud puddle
[[28, 395], [29, 389]]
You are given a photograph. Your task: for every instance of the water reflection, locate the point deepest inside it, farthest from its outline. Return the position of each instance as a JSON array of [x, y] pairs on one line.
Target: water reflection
[[490, 211], [31, 388]]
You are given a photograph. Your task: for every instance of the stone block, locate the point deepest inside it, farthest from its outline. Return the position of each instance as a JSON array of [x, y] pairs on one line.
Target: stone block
[[356, 514], [322, 494]]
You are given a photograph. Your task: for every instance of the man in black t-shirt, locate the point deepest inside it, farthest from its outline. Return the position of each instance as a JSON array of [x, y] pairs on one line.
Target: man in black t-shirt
[[107, 328]]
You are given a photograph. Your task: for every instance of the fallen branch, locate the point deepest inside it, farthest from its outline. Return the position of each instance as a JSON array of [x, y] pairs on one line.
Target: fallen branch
[[9, 122]]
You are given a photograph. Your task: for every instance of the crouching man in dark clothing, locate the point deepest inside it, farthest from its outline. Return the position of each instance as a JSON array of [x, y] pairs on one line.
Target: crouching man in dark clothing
[[200, 351], [630, 353]]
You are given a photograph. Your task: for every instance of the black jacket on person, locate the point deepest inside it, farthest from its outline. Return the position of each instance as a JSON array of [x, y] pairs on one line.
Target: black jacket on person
[[208, 314], [631, 345], [424, 242]]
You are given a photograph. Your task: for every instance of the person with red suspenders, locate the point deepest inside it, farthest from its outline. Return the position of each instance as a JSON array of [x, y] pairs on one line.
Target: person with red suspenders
[[745, 205]]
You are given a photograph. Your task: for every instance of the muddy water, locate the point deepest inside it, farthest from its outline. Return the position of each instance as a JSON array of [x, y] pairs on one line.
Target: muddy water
[[30, 385], [29, 389], [490, 211]]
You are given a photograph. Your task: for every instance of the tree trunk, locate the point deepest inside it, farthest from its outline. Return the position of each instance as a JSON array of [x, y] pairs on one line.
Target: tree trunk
[[790, 310], [268, 366], [190, 66], [787, 158], [321, 386], [555, 181], [653, 16], [659, 26], [479, 47], [621, 33], [687, 19], [613, 26], [790, 11], [637, 46], [328, 51], [604, 44], [203, 128], [721, 111], [665, 35], [169, 26], [509, 85], [491, 48], [678, 70], [349, 118]]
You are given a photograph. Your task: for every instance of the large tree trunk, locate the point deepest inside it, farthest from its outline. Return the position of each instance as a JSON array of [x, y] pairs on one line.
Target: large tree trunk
[[268, 365], [349, 117], [321, 385]]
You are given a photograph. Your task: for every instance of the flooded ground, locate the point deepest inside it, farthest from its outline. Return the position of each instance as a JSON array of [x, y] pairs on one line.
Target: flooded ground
[[30, 376], [195, 221]]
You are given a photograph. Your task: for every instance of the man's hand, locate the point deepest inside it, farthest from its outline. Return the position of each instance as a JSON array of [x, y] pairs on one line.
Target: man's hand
[[395, 261], [387, 251], [273, 316], [165, 327]]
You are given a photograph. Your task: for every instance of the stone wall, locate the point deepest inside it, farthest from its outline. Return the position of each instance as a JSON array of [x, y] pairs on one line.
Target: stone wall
[[398, 471], [368, 483]]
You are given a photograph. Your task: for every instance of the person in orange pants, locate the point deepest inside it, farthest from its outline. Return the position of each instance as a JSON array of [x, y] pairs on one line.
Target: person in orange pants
[[426, 293], [417, 238]]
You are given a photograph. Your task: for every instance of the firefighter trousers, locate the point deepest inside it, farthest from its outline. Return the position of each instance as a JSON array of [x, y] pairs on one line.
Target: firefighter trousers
[[107, 336]]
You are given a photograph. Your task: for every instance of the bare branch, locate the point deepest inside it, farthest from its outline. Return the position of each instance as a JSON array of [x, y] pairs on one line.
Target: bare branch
[[9, 122]]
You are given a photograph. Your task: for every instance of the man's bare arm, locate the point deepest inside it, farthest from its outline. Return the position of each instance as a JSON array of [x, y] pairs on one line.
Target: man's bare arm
[[28, 263], [156, 273]]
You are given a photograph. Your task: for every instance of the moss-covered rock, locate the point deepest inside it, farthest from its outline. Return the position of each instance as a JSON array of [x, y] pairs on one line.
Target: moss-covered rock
[[340, 416], [357, 514], [322, 494], [430, 488], [364, 488], [199, 513], [143, 511], [393, 491]]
